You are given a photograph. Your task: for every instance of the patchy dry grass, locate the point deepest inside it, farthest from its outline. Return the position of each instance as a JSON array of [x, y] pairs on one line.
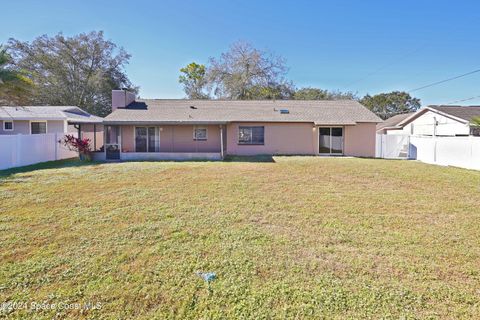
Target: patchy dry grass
[[300, 237]]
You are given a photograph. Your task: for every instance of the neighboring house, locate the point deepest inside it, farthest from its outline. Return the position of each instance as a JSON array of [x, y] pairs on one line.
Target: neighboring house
[[186, 129], [392, 122], [434, 121], [51, 119]]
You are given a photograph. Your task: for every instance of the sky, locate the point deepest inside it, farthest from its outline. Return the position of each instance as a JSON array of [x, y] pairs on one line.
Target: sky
[[361, 46]]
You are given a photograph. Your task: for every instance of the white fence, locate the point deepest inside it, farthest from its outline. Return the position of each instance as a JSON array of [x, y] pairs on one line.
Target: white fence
[[461, 152], [392, 146], [22, 150]]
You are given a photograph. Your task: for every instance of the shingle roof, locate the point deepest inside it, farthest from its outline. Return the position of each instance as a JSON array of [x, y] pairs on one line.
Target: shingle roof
[[223, 111], [463, 112], [70, 113], [393, 121]]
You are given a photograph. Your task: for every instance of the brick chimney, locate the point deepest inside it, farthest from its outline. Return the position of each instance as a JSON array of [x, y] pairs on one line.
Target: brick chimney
[[121, 98]]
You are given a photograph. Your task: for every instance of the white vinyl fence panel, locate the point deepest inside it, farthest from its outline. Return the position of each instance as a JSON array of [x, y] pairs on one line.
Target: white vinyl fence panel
[[392, 146], [23, 150], [463, 152]]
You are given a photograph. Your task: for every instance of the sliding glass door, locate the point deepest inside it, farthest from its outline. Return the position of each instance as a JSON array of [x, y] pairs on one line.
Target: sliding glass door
[[147, 139], [330, 140]]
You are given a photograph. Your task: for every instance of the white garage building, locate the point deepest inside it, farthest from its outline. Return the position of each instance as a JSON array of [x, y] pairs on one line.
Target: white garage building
[[434, 121]]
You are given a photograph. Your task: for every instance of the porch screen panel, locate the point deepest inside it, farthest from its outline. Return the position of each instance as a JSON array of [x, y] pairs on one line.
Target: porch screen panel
[[153, 140], [140, 139], [112, 134]]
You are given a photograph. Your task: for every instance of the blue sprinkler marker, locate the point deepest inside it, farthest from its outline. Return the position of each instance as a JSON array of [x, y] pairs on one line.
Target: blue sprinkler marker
[[207, 276]]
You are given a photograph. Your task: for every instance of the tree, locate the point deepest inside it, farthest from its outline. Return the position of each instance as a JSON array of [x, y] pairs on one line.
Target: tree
[[80, 70], [320, 94], [282, 91], [386, 105], [194, 80], [476, 121], [15, 85], [242, 69], [311, 94]]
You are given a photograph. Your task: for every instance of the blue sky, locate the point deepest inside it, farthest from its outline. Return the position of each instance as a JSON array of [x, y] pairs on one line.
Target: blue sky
[[363, 46]]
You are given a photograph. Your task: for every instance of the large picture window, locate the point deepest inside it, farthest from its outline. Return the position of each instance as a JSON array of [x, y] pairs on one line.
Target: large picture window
[[38, 127], [251, 135], [147, 139]]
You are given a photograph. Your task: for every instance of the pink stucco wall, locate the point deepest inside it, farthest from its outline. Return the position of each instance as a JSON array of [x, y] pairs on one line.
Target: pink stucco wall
[[359, 140], [177, 139], [280, 138]]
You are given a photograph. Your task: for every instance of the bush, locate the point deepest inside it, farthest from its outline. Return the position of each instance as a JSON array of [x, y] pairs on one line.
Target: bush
[[82, 146]]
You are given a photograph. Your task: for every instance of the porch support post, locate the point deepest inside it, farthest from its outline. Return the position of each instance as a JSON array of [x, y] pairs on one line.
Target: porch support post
[[221, 141], [79, 137], [94, 137]]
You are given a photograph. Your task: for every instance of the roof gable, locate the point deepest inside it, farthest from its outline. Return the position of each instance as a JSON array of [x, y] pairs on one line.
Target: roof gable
[[466, 113]]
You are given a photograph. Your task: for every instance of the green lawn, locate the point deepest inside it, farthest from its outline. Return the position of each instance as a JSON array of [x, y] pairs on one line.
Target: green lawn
[[301, 237]]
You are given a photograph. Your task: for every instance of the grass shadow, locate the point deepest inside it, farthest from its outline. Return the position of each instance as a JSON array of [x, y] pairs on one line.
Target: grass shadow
[[66, 163], [259, 158]]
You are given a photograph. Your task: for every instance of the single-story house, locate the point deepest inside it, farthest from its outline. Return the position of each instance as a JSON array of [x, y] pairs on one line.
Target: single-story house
[[434, 121], [51, 119], [212, 129]]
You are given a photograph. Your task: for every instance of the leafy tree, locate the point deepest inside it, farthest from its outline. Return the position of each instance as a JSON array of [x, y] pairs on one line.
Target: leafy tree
[[320, 94], [282, 91], [476, 121], [339, 95], [80, 70], [15, 85], [311, 94], [386, 105], [243, 69], [193, 78]]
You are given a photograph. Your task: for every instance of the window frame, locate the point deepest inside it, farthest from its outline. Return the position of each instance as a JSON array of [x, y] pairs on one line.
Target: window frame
[[195, 133], [251, 143], [39, 121], [13, 125], [157, 131], [330, 141]]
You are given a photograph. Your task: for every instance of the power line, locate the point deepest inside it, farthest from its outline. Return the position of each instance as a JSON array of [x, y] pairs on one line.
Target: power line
[[382, 67], [463, 100], [443, 81]]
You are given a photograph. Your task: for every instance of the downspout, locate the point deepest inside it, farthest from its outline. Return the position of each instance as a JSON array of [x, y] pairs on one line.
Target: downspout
[[221, 142]]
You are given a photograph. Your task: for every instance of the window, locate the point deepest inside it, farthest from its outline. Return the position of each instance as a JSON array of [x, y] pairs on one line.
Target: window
[[147, 139], [199, 133], [8, 125], [251, 135], [38, 127]]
